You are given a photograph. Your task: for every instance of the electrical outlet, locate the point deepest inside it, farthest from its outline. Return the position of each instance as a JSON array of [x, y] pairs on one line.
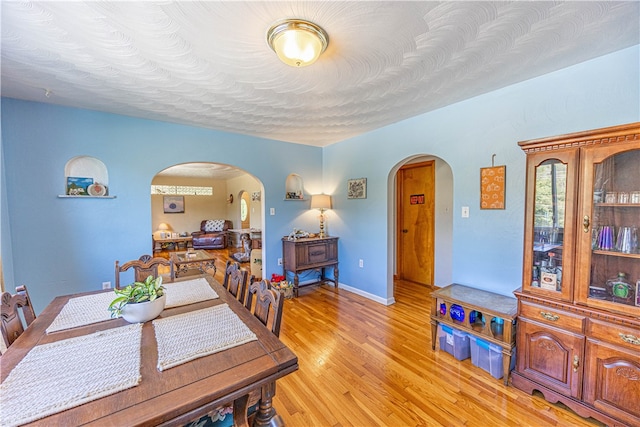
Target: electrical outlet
[[465, 212], [279, 261], [106, 285], [361, 263]]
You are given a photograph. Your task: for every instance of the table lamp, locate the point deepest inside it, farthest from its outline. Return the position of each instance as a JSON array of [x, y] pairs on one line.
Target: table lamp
[[163, 228], [321, 202]]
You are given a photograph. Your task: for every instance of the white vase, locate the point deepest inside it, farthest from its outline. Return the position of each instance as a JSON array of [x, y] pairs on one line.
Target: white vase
[[143, 311]]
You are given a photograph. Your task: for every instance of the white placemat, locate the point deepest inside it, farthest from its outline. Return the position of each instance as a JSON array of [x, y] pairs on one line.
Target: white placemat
[[61, 375], [198, 333], [188, 292], [81, 311]]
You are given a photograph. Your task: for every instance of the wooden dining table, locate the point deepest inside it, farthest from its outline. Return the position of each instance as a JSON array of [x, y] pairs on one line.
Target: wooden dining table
[[177, 395]]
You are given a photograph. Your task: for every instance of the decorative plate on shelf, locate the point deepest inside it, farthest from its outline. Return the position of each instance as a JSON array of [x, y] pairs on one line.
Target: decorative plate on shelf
[[97, 189]]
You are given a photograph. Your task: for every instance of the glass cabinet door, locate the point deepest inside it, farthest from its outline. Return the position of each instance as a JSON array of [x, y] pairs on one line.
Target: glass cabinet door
[[549, 224], [609, 253]]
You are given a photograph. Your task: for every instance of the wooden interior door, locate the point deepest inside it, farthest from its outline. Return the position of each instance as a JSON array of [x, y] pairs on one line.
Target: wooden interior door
[[416, 224]]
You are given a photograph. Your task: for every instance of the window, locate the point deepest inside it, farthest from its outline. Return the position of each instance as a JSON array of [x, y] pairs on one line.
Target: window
[[182, 190], [244, 210]]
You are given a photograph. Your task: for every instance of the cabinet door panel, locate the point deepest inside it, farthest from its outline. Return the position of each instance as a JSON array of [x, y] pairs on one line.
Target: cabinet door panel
[[550, 356], [549, 225], [318, 253], [608, 251], [613, 381]]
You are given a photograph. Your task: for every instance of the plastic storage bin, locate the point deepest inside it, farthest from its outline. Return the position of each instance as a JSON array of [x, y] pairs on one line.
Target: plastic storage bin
[[488, 356], [454, 342]]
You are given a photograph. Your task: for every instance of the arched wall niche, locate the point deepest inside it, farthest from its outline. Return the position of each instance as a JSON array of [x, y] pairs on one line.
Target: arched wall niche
[[86, 176]]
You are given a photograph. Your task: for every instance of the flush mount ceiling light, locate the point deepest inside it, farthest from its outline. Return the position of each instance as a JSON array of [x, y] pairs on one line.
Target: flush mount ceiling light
[[296, 42]]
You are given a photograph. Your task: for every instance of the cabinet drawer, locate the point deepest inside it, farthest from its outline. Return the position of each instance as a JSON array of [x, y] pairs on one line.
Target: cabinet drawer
[[560, 319], [318, 253], [618, 335]]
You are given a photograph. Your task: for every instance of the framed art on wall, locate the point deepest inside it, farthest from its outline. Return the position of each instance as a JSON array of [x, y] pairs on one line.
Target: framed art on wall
[[357, 188], [173, 204]]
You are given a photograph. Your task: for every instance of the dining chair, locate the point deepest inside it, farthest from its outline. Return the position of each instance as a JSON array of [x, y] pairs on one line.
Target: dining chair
[[266, 304], [225, 281], [236, 279], [143, 267], [11, 305]]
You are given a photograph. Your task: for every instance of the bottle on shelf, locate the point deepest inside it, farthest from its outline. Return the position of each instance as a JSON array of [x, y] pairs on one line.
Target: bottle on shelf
[[620, 289]]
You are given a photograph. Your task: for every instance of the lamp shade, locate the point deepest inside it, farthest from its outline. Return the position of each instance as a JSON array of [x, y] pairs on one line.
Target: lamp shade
[[297, 43], [163, 227], [320, 201]]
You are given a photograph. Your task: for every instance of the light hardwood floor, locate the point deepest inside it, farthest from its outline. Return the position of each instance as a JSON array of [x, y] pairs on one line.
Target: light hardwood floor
[[365, 364]]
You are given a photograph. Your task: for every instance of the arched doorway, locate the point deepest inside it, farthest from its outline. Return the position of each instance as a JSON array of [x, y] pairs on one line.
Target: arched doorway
[[204, 189], [442, 218]]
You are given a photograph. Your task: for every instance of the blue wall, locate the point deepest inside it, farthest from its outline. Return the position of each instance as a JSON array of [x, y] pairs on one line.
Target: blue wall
[[60, 246], [487, 246]]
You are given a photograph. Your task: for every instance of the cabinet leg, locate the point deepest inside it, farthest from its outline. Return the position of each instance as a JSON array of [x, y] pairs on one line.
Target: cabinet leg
[[295, 283]]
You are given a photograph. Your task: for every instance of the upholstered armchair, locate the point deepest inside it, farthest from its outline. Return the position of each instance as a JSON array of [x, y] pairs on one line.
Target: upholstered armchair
[[212, 234]]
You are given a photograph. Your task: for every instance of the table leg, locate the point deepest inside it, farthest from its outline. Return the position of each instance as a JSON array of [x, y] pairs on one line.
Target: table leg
[[506, 365], [335, 275], [266, 415], [434, 333]]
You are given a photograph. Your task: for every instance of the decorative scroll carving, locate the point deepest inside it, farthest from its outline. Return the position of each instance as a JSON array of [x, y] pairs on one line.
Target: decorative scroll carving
[[628, 373], [547, 345]]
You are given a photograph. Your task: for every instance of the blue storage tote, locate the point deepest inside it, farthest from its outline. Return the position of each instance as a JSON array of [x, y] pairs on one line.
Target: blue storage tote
[[489, 357], [454, 342]]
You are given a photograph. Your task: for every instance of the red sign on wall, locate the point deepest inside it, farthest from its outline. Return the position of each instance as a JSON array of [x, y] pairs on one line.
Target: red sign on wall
[[416, 199]]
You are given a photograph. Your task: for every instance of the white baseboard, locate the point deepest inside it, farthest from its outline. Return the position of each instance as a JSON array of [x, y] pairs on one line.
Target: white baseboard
[[376, 298]]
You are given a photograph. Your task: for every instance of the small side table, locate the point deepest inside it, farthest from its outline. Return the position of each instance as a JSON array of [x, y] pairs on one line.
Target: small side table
[[310, 254], [490, 305]]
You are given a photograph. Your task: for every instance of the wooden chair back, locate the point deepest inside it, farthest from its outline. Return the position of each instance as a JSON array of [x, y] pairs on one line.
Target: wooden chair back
[[144, 267], [266, 304], [227, 273], [236, 279], [11, 305]]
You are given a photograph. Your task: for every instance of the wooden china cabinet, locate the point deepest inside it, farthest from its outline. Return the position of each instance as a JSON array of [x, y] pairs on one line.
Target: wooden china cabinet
[[578, 335]]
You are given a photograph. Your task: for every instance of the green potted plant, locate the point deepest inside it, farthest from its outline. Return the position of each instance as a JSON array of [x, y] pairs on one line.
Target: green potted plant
[[139, 301]]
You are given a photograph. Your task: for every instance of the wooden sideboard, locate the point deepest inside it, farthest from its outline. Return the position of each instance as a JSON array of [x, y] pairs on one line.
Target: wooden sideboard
[[309, 254]]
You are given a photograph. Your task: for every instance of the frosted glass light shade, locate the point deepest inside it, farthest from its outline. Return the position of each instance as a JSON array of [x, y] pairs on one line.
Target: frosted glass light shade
[[297, 43]]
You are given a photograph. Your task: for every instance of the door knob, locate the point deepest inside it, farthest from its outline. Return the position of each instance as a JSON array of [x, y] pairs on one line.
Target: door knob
[[404, 230]]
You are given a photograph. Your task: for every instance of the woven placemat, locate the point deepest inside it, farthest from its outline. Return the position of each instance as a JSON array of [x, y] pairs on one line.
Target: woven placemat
[[81, 311], [67, 373], [188, 292], [199, 333]]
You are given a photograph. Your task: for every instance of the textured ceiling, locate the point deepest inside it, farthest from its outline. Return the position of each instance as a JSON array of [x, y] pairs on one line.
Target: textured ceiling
[[207, 63]]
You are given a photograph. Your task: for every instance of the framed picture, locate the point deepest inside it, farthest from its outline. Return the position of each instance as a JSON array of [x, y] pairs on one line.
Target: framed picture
[[357, 188], [492, 183], [173, 204], [77, 186], [638, 293]]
